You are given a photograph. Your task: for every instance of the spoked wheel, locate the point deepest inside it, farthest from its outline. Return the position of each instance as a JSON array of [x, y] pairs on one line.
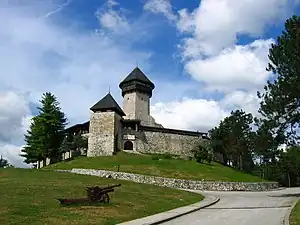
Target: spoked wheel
[[105, 198]]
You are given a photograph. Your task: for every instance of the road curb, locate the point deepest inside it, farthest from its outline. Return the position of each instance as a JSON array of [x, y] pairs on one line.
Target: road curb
[[174, 213], [286, 220]]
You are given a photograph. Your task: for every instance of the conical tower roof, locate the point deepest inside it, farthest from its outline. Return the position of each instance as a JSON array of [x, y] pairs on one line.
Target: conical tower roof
[[137, 81], [137, 75], [107, 103]]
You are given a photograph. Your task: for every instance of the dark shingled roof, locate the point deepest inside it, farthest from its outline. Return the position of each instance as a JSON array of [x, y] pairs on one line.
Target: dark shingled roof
[[107, 103], [137, 75]]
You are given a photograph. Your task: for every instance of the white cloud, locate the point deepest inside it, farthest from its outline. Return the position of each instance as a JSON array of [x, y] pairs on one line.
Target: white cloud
[[248, 101], [191, 114], [38, 55], [211, 56], [239, 67], [14, 122], [112, 19], [161, 6], [11, 153], [216, 24], [14, 110]]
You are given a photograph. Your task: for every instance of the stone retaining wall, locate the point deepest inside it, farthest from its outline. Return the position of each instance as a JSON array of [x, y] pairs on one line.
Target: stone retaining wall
[[179, 183]]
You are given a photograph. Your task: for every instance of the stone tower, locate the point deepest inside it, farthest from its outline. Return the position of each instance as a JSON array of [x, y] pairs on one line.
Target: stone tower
[[105, 127], [137, 91]]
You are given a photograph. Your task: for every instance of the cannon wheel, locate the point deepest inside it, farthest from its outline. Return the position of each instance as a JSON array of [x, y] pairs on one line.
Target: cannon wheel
[[105, 198]]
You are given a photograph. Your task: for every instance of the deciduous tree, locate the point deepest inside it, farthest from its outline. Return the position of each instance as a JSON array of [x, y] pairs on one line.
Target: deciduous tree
[[233, 138]]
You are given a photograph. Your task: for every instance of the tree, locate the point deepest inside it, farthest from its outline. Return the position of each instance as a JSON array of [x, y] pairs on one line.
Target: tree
[[75, 142], [80, 142], [289, 164], [280, 103], [67, 143], [3, 163], [46, 132], [233, 138]]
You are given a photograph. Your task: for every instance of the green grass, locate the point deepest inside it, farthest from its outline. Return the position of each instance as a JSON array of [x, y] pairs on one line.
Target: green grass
[[295, 215], [165, 167], [28, 196]]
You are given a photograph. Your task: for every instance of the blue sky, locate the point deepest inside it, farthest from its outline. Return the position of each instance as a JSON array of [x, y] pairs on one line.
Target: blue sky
[[206, 57]]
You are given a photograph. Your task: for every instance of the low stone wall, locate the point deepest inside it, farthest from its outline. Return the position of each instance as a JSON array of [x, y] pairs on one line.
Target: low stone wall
[[179, 183]]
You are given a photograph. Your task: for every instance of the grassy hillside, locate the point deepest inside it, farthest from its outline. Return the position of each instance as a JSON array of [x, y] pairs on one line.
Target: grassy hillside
[[150, 165], [28, 196], [295, 215]]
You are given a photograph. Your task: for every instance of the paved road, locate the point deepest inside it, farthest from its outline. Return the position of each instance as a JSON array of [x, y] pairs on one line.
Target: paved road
[[243, 208]]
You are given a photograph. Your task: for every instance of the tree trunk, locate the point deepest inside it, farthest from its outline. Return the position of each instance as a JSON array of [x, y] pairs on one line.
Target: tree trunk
[[289, 179]]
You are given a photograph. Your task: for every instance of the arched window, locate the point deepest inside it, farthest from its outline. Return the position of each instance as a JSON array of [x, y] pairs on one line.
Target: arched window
[[128, 145]]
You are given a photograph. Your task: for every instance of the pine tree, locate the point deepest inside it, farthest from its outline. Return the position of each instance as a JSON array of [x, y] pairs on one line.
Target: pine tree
[[280, 104], [46, 132]]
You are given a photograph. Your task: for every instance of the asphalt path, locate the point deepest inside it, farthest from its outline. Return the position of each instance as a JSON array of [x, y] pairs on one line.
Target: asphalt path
[[243, 208]]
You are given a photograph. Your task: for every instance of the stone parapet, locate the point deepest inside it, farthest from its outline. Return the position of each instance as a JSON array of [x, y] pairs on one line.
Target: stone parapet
[[180, 183]]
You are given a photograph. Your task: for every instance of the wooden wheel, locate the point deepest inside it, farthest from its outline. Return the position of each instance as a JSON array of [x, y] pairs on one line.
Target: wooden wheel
[[105, 198]]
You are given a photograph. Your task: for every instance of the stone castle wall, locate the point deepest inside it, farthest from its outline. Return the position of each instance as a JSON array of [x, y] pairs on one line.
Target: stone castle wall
[[137, 106], [162, 140], [102, 134], [118, 132]]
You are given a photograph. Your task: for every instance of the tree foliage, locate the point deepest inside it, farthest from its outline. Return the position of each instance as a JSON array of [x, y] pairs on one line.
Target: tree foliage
[[289, 164], [3, 162], [75, 142], [201, 153], [233, 139], [281, 98], [46, 132]]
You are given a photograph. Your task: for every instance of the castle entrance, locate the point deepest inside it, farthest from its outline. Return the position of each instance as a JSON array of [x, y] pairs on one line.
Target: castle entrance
[[128, 145]]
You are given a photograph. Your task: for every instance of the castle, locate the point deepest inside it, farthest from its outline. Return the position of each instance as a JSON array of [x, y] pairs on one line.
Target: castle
[[132, 128]]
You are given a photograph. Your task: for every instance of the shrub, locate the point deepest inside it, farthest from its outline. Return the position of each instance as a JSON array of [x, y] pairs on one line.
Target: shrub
[[155, 157], [209, 158], [201, 153], [167, 156]]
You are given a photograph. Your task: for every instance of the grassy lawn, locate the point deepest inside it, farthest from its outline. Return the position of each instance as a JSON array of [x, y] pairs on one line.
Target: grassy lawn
[[29, 196], [295, 215], [150, 165]]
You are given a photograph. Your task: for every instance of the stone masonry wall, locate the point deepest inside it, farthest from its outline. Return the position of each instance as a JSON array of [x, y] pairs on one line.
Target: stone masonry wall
[[101, 134], [118, 131], [179, 183], [158, 142], [136, 106]]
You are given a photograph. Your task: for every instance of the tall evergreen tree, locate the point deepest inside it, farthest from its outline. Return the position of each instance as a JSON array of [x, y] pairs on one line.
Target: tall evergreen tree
[[46, 132], [280, 104]]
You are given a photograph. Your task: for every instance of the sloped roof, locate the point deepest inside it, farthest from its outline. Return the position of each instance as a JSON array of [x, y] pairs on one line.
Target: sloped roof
[[107, 103], [137, 75]]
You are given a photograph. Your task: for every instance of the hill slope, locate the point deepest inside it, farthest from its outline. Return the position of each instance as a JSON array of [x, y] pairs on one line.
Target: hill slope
[[28, 196], [151, 165]]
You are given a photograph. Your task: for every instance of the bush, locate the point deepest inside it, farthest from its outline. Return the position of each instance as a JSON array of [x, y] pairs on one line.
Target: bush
[[167, 156], [155, 157], [209, 158], [201, 153]]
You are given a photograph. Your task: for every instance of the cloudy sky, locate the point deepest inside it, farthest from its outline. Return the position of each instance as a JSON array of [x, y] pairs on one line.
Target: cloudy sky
[[205, 57]]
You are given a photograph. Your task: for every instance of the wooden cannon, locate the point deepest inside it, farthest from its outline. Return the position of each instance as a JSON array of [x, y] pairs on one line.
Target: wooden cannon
[[94, 195]]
